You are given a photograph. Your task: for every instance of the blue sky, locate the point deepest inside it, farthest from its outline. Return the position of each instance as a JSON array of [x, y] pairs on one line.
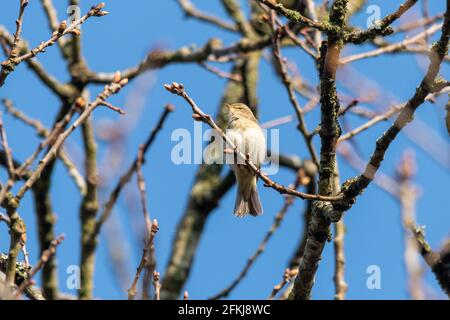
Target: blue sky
[[121, 39]]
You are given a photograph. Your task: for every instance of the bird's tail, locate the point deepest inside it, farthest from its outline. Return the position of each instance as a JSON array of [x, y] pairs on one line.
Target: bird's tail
[[247, 202]]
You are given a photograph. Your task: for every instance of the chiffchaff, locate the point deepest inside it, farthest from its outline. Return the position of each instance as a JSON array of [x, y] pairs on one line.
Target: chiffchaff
[[244, 131]]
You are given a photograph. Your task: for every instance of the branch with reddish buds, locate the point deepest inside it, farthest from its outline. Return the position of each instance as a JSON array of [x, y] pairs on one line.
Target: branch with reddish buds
[[8, 66], [199, 115], [146, 253], [288, 276]]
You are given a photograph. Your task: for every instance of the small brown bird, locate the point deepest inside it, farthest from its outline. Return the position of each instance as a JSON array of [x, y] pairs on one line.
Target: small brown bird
[[244, 131]]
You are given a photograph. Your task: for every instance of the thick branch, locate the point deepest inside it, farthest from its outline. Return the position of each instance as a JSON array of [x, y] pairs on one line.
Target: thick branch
[[11, 63]]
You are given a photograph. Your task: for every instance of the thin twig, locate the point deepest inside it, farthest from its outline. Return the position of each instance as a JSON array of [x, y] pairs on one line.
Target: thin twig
[[8, 153], [199, 115], [124, 179], [157, 285], [148, 259], [414, 24], [382, 117], [5, 219], [283, 72], [61, 90], [212, 51], [340, 284], [26, 257], [391, 48], [49, 139], [191, 11], [407, 198], [220, 73], [234, 10], [355, 186]]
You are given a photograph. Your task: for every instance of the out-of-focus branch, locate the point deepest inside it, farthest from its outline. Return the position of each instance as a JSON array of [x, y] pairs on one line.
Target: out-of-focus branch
[[61, 90], [208, 187], [392, 48], [5, 219], [288, 276], [340, 285], [53, 24], [45, 216], [220, 73], [439, 262], [51, 137], [354, 160], [408, 198], [148, 246], [234, 10], [17, 225], [418, 23], [149, 262], [287, 81], [157, 285], [199, 115], [92, 225], [322, 212], [355, 186], [288, 201], [191, 11], [294, 261], [381, 117]]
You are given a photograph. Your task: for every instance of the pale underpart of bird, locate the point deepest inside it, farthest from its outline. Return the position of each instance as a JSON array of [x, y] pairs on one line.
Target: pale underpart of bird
[[246, 134]]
